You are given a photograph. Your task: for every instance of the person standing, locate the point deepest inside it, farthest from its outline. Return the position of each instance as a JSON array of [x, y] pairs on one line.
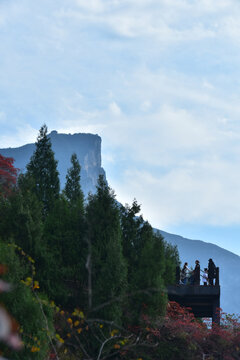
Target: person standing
[[211, 271], [184, 273], [196, 273]]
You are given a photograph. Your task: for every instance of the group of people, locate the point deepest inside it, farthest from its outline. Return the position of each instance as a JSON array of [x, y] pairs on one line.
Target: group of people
[[193, 277]]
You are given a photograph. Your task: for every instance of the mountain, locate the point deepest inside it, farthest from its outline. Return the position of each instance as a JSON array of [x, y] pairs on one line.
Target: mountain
[[86, 146], [88, 149], [228, 263]]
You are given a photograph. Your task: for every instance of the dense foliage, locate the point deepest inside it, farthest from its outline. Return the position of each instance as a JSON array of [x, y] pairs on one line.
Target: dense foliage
[[23, 305], [106, 263], [98, 266], [43, 170], [8, 174]]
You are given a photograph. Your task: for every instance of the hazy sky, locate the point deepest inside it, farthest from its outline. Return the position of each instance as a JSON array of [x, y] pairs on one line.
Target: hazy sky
[[158, 80]]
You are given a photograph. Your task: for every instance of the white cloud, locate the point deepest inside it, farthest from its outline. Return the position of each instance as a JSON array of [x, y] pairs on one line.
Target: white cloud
[[199, 193], [231, 27], [115, 109], [166, 21], [146, 105], [22, 135], [108, 158], [207, 85], [91, 5], [158, 80], [2, 117], [164, 86]]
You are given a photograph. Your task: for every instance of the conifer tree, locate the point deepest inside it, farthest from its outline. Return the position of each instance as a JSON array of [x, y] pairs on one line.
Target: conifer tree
[[145, 255], [55, 229], [22, 223], [21, 219], [43, 169], [64, 232], [74, 246], [106, 264], [172, 260], [72, 189]]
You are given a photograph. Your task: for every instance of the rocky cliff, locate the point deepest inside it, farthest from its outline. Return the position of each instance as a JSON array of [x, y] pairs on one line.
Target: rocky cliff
[[86, 146]]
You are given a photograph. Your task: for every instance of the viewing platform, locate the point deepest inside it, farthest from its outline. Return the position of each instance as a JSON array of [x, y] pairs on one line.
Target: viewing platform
[[204, 300]]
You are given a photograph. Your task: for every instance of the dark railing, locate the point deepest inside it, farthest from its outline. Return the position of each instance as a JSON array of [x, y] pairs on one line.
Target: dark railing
[[204, 300], [217, 277], [197, 279]]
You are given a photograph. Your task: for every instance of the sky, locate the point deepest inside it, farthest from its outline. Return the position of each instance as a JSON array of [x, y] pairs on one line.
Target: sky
[[158, 80]]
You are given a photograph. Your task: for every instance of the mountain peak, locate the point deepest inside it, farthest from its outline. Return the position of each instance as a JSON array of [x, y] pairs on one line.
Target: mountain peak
[[86, 146]]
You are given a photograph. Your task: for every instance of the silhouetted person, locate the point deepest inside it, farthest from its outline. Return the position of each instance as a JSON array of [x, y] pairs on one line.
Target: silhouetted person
[[211, 271], [196, 273]]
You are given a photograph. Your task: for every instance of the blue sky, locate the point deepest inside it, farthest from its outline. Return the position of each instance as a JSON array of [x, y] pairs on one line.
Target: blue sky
[[159, 81]]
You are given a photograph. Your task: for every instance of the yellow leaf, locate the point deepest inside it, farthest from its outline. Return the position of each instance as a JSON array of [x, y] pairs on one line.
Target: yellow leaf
[[35, 349]]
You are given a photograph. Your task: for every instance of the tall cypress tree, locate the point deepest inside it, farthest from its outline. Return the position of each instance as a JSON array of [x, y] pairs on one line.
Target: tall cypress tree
[[56, 226], [106, 264], [64, 232], [145, 255], [72, 189], [74, 247], [43, 169]]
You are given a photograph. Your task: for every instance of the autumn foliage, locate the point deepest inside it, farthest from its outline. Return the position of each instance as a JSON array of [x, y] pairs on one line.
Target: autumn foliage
[[179, 335], [8, 175]]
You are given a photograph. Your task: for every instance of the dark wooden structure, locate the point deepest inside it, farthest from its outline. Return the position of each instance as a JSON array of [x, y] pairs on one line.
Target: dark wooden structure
[[204, 300]]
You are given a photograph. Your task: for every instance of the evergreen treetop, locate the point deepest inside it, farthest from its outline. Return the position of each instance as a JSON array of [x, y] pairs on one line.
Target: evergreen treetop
[[43, 169], [72, 189]]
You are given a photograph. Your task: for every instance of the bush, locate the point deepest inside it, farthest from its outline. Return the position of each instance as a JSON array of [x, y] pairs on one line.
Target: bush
[[24, 307]]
